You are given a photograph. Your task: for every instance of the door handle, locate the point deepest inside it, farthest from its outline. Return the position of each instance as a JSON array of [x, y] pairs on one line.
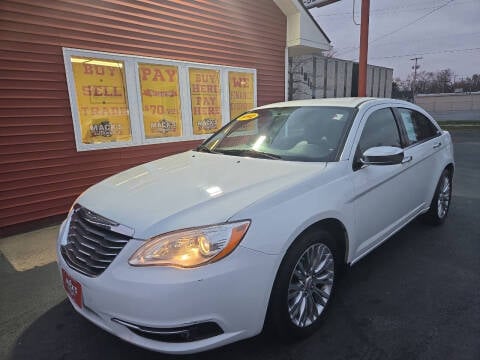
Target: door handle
[[407, 159], [436, 145]]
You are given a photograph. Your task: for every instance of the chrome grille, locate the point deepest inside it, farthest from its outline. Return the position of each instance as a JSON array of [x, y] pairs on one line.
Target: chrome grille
[[93, 241]]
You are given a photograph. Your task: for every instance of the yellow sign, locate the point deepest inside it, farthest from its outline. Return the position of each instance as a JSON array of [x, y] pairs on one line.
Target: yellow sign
[[161, 100], [206, 100], [101, 100], [248, 116], [241, 86]]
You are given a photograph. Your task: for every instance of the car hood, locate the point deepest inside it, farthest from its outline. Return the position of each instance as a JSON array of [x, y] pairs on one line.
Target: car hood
[[190, 189]]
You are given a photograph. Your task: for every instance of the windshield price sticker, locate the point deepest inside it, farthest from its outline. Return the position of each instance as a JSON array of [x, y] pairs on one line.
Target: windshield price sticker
[[249, 116]]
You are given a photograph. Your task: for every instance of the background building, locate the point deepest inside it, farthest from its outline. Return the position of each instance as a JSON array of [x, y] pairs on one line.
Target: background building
[[90, 88], [315, 76]]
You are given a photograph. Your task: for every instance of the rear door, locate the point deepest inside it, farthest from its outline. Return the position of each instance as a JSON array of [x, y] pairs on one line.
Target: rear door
[[423, 141]]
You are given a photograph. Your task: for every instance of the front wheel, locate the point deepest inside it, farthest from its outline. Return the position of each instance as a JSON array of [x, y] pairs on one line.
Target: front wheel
[[440, 205], [304, 286]]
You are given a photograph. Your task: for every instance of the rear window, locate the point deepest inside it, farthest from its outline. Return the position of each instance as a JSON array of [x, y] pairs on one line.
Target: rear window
[[418, 126]]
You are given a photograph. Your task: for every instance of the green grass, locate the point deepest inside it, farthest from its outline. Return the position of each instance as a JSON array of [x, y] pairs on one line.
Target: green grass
[[461, 122], [452, 125]]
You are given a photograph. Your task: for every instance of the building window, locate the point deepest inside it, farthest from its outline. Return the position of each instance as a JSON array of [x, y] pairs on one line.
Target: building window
[[161, 105], [123, 100], [241, 87], [206, 100], [102, 107]]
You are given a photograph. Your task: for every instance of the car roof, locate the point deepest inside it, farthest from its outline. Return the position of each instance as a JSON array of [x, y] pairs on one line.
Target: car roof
[[343, 102]]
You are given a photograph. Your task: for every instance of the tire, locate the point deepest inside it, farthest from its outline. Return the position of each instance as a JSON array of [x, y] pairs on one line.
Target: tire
[[297, 286], [440, 204]]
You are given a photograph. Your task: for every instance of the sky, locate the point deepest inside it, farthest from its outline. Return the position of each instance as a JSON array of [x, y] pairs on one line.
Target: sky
[[403, 29]]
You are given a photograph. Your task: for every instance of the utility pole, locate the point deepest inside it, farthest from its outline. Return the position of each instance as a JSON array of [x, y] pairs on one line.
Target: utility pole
[[414, 83], [362, 61]]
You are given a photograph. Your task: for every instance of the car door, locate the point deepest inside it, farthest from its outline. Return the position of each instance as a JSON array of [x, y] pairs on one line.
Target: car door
[[423, 142], [383, 199]]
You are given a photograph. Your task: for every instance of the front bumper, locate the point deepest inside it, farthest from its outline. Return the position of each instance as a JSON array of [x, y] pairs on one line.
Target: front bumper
[[232, 293]]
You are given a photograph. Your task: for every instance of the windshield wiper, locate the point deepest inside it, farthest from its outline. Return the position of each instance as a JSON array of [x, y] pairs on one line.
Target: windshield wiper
[[251, 153], [204, 148]]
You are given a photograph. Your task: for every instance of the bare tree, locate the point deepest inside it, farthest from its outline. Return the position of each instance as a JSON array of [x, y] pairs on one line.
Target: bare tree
[[432, 82], [330, 53], [424, 79], [444, 80], [299, 79]]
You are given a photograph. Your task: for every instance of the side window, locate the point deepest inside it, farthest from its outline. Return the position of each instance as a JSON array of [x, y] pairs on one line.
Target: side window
[[380, 130], [418, 126]]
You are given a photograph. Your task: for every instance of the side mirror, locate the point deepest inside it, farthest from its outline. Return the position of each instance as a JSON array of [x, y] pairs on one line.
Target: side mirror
[[382, 155]]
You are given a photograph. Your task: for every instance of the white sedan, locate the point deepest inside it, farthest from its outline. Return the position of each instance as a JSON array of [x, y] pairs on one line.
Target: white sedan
[[204, 248]]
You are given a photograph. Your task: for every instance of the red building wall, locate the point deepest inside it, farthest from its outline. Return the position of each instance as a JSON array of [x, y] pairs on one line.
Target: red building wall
[[41, 173]]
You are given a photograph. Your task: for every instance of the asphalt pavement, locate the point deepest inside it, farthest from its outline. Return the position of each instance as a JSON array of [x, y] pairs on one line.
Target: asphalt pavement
[[415, 297]]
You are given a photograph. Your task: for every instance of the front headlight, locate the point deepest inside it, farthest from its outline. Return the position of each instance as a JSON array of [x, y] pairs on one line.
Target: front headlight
[[191, 247]]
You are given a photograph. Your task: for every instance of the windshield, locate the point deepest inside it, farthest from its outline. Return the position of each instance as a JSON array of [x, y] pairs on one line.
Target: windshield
[[313, 133]]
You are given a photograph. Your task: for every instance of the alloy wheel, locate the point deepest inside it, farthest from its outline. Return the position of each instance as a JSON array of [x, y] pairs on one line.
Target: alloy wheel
[[310, 285], [444, 197]]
